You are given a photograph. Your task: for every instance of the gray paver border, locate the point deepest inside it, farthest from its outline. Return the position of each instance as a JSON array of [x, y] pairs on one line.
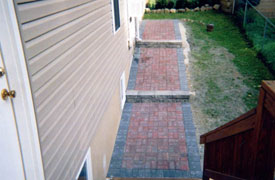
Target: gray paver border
[[134, 70], [117, 156], [191, 142], [141, 29]]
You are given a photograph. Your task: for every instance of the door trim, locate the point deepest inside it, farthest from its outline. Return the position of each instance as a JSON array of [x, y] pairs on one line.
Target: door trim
[[18, 79]]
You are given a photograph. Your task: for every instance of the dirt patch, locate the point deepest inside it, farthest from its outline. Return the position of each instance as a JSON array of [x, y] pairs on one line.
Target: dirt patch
[[215, 83]]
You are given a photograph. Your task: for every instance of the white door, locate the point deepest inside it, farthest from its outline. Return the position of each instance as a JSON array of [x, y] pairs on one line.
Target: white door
[[20, 155], [11, 166]]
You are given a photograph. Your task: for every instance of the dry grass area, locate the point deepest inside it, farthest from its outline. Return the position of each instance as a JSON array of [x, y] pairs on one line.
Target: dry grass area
[[217, 86]]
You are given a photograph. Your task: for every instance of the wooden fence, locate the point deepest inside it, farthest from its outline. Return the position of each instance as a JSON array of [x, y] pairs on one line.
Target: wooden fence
[[245, 147]]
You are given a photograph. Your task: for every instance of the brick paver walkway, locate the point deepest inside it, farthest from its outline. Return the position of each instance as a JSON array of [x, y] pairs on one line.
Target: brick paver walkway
[[158, 69], [160, 30], [157, 139]]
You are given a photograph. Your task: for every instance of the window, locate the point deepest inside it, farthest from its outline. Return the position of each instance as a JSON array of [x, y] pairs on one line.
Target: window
[[85, 172], [116, 16]]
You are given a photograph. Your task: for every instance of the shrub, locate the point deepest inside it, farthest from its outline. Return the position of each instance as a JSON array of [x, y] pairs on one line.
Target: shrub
[[241, 3], [254, 29], [187, 4], [171, 4], [192, 3], [151, 4], [239, 13], [268, 53], [180, 4], [160, 4], [210, 2]]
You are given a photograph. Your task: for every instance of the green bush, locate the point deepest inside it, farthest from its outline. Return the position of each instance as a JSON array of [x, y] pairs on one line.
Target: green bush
[[178, 4], [187, 4], [254, 29], [241, 3], [151, 4], [171, 4], [210, 2], [161, 4], [268, 52]]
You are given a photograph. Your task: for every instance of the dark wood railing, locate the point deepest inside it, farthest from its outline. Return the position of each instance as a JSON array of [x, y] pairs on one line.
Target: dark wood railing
[[245, 147]]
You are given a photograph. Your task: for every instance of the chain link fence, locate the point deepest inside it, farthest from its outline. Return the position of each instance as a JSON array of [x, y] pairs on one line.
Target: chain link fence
[[258, 28]]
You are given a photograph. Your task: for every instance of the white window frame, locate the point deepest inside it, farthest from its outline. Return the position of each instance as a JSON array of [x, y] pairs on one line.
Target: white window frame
[[113, 17], [88, 161], [122, 90]]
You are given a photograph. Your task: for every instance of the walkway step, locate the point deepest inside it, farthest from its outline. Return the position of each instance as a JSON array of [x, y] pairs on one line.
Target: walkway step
[[134, 96], [158, 69], [160, 30], [159, 44]]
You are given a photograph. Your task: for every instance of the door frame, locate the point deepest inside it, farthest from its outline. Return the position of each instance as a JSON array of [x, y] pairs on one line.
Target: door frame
[[23, 106]]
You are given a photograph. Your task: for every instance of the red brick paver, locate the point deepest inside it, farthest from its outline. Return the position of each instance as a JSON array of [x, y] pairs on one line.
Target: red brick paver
[[159, 30], [156, 138], [158, 69]]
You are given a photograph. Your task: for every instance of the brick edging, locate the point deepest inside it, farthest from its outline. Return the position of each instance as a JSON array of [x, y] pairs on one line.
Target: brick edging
[[182, 71], [141, 30], [117, 156], [191, 142], [134, 70]]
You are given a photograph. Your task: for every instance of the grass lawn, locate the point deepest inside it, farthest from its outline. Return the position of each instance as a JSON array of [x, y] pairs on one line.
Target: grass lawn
[[225, 71]]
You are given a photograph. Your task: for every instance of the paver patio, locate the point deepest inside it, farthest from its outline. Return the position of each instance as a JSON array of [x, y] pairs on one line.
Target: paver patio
[[157, 139]]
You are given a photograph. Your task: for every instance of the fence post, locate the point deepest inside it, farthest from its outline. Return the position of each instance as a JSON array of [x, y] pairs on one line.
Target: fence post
[[265, 27], [233, 6], [245, 10]]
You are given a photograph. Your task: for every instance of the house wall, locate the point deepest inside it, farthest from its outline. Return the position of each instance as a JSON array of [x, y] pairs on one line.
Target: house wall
[[103, 142], [74, 62]]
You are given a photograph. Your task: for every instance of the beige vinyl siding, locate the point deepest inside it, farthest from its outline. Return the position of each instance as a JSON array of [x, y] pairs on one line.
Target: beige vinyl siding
[[74, 61]]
